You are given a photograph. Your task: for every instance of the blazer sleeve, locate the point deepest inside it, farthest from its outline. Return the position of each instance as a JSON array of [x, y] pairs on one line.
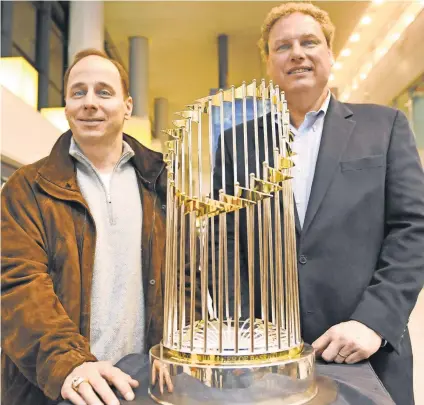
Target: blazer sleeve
[[387, 302], [37, 333]]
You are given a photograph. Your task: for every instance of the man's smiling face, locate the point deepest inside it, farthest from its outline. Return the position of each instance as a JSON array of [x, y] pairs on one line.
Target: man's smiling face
[[95, 102], [299, 58]]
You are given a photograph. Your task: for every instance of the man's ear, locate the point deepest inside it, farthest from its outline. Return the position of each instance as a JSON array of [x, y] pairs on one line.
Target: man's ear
[[129, 107]]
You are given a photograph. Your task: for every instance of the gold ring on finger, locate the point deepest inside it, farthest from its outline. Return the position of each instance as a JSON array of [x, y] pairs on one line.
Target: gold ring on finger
[[77, 381], [341, 355]]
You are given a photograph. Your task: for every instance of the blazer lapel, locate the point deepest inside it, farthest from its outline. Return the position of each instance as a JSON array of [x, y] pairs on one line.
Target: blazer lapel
[[296, 219], [336, 132]]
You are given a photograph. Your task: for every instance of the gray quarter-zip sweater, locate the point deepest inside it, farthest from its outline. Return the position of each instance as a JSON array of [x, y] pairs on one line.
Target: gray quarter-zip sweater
[[117, 303]]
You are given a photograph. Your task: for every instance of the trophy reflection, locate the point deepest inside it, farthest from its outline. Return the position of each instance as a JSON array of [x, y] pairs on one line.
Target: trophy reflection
[[231, 318]]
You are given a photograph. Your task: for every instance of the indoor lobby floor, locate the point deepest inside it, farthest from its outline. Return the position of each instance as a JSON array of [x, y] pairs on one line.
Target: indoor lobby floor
[[416, 327]]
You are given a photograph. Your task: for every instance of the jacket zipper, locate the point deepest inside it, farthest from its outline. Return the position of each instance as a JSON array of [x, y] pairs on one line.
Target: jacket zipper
[[108, 194]]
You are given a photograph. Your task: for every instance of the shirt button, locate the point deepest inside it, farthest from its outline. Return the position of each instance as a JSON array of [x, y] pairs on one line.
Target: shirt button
[[152, 282], [303, 259]]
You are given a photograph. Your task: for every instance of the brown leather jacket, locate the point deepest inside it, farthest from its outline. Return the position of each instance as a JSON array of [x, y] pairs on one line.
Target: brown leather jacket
[[48, 241]]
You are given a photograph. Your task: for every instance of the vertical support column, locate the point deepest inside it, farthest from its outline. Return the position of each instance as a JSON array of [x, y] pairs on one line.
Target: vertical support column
[[161, 118], [6, 28], [86, 26], [139, 75], [42, 52], [223, 61], [139, 87]]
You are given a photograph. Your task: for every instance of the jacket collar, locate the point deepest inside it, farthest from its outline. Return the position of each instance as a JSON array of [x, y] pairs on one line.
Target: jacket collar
[[59, 167], [338, 126]]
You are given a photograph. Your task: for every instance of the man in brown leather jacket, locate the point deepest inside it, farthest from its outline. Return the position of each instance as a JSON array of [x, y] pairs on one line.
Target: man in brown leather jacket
[[62, 261]]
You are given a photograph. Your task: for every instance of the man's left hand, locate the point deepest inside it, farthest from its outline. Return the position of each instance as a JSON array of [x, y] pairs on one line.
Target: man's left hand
[[347, 342]]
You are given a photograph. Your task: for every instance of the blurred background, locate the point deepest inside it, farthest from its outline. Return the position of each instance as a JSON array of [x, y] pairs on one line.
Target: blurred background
[[176, 52]]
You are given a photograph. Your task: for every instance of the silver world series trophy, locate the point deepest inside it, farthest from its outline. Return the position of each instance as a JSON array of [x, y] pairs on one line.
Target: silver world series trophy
[[232, 327]]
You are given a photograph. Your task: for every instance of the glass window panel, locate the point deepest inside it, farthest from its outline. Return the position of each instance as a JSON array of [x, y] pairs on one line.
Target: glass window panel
[[55, 96], [24, 27], [56, 57], [16, 51]]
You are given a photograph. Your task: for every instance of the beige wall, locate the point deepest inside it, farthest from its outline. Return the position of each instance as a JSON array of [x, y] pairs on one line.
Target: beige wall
[[26, 136]]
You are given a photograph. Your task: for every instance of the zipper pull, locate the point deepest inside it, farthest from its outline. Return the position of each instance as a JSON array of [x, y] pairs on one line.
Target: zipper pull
[[109, 199]]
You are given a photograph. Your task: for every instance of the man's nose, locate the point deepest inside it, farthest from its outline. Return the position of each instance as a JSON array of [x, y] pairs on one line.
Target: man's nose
[[90, 100], [297, 52]]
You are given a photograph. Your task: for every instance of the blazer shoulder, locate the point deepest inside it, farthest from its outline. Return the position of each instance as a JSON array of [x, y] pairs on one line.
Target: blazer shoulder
[[373, 110]]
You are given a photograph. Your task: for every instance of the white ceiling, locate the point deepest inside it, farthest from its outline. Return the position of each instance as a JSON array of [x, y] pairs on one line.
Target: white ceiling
[[183, 61]]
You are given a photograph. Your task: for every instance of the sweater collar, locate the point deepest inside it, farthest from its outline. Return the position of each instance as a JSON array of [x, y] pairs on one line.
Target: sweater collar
[[59, 167]]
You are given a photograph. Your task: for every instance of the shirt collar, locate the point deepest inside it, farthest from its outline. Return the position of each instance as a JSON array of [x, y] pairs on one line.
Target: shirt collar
[[76, 152], [312, 116], [324, 106]]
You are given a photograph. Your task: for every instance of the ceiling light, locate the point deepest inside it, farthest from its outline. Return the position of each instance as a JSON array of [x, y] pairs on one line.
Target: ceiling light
[[331, 77], [346, 52], [378, 1], [366, 20], [368, 67], [355, 37], [354, 86], [345, 96], [337, 66], [409, 19], [19, 76], [382, 52], [363, 76], [394, 37]]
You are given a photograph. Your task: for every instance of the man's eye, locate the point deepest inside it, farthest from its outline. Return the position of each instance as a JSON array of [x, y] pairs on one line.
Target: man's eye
[[78, 93], [309, 43], [105, 93], [283, 47]]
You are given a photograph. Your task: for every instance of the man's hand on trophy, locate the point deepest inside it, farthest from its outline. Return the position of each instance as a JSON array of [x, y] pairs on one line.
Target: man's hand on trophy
[[161, 370], [89, 384], [347, 342]]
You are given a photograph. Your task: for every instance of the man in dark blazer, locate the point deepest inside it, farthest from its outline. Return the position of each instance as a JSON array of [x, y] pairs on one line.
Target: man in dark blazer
[[359, 192]]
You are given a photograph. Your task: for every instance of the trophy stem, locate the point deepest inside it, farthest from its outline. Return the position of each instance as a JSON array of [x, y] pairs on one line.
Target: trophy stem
[[237, 303], [212, 227]]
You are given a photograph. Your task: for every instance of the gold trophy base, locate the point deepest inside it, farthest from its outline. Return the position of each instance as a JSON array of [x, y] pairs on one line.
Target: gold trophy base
[[284, 381]]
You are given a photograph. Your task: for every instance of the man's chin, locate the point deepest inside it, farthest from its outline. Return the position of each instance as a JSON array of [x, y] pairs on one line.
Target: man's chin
[[302, 84], [87, 134], [292, 86], [88, 137], [300, 88]]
